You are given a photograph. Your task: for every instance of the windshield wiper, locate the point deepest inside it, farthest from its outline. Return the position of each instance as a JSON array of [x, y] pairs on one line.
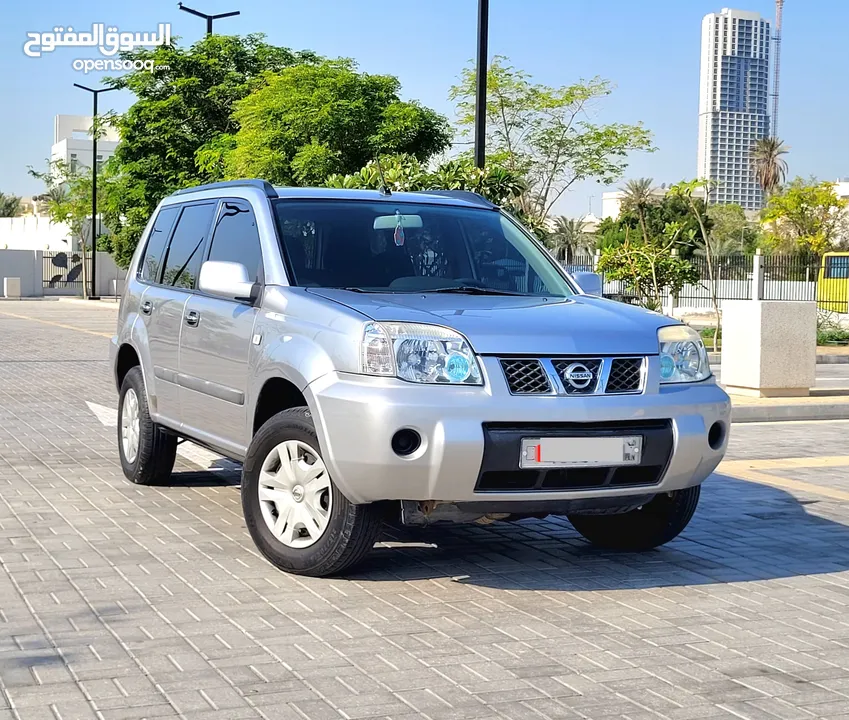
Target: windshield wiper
[[471, 290]]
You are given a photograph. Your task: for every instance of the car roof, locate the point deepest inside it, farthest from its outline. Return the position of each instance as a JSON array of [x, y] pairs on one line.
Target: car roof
[[461, 198]]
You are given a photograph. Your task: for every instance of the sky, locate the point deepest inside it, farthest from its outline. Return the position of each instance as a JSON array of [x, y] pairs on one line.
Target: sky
[[648, 49]]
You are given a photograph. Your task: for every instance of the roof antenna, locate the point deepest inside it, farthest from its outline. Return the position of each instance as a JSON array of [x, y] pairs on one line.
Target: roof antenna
[[384, 188]]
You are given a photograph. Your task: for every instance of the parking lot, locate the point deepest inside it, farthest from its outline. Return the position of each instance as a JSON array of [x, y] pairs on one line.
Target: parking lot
[[119, 601]]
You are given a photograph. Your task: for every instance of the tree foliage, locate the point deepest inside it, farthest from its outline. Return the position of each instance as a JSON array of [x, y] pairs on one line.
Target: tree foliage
[[769, 166], [10, 205], [732, 233], [546, 133], [311, 121], [646, 215], [808, 217], [405, 173], [649, 267], [567, 238], [184, 105]]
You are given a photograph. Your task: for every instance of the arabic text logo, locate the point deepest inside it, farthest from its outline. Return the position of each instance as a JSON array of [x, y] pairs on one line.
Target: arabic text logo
[[106, 39]]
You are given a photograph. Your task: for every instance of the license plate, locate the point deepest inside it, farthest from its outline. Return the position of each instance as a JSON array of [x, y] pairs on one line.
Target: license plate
[[580, 451]]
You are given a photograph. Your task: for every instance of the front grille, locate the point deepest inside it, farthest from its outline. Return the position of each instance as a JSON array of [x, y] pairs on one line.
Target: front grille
[[574, 376], [526, 377], [625, 375], [578, 386]]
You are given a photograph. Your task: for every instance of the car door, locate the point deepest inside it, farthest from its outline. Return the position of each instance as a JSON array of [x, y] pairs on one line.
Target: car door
[[216, 341], [163, 303], [161, 311]]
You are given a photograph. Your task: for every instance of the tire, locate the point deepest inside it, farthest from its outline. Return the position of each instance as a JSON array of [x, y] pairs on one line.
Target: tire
[[299, 543], [156, 448], [655, 523]]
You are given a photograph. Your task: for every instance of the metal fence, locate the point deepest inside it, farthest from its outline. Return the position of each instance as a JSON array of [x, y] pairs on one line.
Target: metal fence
[[64, 271], [782, 277]]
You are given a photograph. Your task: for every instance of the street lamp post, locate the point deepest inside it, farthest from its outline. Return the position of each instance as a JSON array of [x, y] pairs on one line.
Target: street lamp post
[[208, 18], [480, 95], [95, 130]]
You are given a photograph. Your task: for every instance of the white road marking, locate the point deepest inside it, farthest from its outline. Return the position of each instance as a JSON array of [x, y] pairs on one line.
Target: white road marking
[[107, 416], [202, 457]]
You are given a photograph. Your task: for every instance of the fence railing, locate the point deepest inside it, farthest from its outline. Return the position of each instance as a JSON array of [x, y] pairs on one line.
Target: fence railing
[[63, 270], [743, 277]]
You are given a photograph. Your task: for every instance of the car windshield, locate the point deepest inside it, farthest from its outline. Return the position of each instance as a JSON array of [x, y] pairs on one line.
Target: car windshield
[[410, 247]]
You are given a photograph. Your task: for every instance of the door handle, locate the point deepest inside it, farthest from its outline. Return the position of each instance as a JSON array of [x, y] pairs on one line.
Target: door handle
[[146, 307], [192, 318]]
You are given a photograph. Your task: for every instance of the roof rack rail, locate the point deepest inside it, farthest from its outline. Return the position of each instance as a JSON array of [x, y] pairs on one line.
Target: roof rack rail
[[466, 195], [263, 185]]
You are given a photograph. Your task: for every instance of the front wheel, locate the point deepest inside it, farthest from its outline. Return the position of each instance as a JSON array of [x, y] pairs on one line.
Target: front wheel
[[147, 450], [295, 514], [657, 522]]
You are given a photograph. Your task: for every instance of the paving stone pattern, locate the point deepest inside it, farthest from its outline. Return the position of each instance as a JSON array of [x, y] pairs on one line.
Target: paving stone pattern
[[119, 601]]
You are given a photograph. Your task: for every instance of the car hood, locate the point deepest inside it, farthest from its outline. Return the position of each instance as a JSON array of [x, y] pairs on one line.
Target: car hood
[[501, 325]]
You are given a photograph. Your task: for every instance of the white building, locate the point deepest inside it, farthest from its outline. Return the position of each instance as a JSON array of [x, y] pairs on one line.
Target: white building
[[733, 101], [72, 142], [841, 187], [611, 202]]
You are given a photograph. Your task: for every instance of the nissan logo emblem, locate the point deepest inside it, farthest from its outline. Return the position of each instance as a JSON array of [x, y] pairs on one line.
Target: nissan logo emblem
[[578, 376]]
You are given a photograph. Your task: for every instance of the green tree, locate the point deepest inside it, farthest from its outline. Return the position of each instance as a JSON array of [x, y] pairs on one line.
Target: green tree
[[10, 205], [182, 106], [638, 197], [311, 121], [669, 209], [769, 166], [405, 173], [807, 216], [567, 238], [68, 201], [732, 233], [649, 267], [545, 133], [686, 190]]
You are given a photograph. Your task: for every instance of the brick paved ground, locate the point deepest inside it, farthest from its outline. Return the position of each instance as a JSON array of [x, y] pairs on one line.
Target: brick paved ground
[[125, 602]]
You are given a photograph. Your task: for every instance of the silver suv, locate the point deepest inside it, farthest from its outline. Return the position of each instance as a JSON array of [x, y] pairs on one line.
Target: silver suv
[[417, 357]]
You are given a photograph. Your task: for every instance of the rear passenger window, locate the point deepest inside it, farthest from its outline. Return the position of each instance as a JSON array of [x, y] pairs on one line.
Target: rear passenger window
[[236, 238], [151, 263], [185, 252]]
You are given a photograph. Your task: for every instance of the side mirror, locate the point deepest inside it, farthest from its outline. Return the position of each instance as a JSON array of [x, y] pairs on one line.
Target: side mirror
[[589, 282], [227, 280]]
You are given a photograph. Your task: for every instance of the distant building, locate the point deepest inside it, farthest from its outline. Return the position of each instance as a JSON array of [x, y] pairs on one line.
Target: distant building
[[72, 142], [611, 202], [841, 188], [733, 101]]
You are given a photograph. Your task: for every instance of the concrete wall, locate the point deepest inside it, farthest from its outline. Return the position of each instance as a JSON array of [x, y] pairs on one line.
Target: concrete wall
[[24, 264], [34, 233]]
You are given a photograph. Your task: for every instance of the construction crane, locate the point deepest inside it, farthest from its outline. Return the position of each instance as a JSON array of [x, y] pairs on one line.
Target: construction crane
[[776, 64]]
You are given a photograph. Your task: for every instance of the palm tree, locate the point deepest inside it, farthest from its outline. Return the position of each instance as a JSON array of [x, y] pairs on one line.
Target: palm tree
[[638, 195], [10, 205], [769, 167], [567, 238]]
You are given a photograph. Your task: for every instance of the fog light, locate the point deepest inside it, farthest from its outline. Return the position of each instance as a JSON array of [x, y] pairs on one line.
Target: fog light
[[405, 442], [716, 435]]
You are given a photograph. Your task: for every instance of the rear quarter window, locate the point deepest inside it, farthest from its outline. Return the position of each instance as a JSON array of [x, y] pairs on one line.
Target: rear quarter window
[[150, 268]]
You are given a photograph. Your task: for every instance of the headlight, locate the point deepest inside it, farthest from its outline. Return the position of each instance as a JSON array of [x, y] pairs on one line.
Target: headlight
[[683, 357], [419, 353]]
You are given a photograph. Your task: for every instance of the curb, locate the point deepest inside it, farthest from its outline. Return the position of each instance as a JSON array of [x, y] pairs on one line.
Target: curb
[[716, 359], [783, 413]]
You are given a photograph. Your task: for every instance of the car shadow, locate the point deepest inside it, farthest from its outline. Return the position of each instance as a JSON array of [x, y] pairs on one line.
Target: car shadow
[[742, 531], [215, 476]]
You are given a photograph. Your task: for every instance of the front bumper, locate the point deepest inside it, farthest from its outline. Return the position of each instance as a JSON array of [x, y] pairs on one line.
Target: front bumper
[[358, 415]]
